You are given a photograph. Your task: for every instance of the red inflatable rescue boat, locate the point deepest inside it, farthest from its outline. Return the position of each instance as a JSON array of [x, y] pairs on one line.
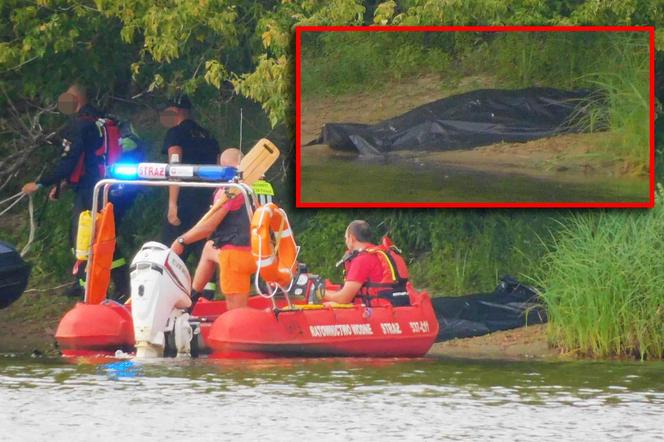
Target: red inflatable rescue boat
[[261, 331], [316, 330], [280, 325]]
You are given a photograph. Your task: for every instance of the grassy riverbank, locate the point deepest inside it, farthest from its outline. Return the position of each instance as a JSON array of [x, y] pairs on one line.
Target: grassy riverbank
[[603, 282], [574, 161]]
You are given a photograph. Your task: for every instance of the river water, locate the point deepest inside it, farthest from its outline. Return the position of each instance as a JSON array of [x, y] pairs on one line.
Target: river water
[[330, 399], [343, 178]]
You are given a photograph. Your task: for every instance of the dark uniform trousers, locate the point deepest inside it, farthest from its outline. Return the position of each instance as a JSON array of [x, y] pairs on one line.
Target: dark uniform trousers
[[189, 214]]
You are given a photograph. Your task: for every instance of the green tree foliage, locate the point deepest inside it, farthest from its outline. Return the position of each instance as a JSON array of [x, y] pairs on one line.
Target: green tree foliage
[[133, 50], [168, 46]]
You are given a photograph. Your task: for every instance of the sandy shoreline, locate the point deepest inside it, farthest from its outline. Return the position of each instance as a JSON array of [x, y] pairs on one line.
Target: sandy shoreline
[[521, 343]]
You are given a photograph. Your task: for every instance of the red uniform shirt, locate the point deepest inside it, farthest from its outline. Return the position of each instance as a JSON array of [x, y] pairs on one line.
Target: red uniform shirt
[[232, 204], [365, 267]]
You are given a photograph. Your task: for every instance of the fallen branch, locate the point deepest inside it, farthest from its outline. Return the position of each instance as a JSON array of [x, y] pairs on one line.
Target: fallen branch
[[57, 287]]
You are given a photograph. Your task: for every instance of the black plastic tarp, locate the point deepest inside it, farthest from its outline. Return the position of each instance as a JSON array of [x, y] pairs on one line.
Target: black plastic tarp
[[510, 305], [464, 121], [14, 274]]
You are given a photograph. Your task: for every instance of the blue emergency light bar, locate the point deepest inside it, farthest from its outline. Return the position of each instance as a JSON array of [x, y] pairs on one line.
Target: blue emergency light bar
[[215, 173], [124, 171], [164, 171]]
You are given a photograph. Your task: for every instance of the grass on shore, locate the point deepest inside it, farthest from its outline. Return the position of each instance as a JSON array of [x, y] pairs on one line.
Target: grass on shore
[[449, 252], [603, 282]]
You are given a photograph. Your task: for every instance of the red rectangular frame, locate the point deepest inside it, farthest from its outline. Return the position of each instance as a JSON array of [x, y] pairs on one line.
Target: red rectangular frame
[[300, 29]]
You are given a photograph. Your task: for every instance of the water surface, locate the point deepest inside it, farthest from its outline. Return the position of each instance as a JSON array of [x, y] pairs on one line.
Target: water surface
[[344, 178], [330, 399]]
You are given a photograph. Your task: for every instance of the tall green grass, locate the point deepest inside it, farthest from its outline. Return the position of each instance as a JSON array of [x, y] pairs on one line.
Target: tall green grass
[[614, 65], [338, 63], [603, 283], [622, 104]]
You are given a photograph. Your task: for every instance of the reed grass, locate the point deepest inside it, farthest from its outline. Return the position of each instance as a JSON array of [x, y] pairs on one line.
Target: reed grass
[[602, 278], [622, 104]]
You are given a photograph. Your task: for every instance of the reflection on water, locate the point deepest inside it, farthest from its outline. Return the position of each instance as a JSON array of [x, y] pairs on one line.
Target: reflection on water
[[330, 399], [347, 178]]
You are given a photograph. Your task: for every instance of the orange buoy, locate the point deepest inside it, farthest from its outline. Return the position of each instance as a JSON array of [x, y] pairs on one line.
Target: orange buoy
[[99, 273], [275, 259]]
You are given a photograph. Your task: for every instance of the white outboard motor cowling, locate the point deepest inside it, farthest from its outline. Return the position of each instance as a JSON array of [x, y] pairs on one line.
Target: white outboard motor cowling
[[160, 286]]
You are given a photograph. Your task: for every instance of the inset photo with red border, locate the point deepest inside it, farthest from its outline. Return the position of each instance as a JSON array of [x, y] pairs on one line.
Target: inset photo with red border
[[475, 117]]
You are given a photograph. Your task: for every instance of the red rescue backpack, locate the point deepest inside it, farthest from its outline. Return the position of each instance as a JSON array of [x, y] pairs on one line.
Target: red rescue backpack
[[107, 154]]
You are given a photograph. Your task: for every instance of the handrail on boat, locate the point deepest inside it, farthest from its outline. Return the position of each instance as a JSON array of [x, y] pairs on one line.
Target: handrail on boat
[[107, 183]]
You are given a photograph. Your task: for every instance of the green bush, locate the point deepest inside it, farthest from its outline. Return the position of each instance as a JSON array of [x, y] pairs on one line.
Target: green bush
[[602, 280]]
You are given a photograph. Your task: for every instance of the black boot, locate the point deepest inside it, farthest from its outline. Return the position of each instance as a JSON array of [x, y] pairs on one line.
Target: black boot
[[195, 296], [120, 278]]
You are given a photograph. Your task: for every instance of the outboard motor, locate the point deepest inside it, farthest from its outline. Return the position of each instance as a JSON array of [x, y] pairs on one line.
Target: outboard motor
[[160, 287]]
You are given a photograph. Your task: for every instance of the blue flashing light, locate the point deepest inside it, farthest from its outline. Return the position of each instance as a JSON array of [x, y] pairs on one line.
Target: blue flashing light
[[216, 173], [124, 171]]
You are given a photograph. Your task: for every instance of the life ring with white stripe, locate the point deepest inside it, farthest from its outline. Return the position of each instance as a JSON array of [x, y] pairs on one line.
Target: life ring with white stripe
[[276, 259]]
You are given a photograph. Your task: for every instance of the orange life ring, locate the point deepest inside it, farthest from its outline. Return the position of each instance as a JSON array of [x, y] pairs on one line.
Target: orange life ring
[[275, 260]]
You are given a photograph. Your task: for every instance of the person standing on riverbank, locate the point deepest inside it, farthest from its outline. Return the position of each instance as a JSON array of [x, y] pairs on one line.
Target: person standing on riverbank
[[186, 142], [79, 167]]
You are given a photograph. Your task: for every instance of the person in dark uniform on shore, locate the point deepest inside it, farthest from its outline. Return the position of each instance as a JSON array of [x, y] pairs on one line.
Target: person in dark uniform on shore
[[79, 168], [187, 143]]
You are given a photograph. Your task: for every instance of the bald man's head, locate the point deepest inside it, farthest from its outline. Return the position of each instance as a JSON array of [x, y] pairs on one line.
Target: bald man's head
[[230, 157], [78, 91], [360, 229], [73, 99]]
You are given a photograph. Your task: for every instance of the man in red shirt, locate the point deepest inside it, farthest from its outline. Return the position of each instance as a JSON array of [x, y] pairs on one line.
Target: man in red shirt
[[361, 268]]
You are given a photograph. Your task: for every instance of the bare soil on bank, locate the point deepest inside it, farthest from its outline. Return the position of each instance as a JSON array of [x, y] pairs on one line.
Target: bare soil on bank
[[521, 343], [29, 324]]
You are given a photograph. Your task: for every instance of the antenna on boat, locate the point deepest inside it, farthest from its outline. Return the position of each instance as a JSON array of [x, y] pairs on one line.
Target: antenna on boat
[[240, 129]]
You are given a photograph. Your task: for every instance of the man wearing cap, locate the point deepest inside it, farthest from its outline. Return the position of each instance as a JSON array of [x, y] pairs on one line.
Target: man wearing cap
[[187, 143]]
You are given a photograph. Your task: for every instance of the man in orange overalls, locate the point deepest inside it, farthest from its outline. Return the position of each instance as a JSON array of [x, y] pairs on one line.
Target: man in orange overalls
[[229, 229]]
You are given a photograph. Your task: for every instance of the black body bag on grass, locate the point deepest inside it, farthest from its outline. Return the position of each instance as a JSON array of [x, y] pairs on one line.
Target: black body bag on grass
[[510, 305], [465, 121]]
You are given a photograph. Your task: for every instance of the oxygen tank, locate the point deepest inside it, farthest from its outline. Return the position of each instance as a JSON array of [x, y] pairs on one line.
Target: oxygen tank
[[84, 236]]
